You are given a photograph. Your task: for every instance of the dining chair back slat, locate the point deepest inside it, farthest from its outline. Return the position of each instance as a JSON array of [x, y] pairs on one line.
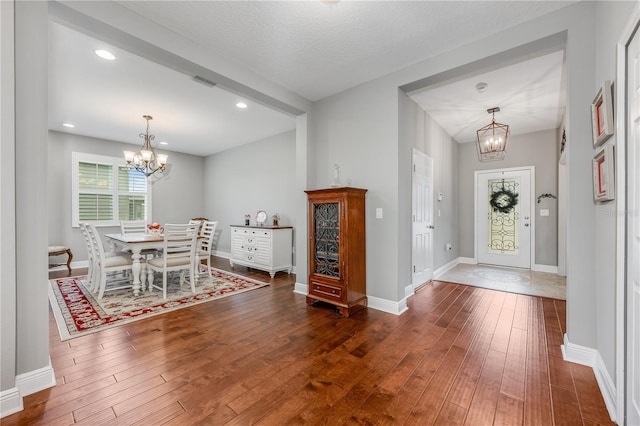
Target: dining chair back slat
[[90, 257], [104, 264], [207, 235], [133, 226], [179, 252]]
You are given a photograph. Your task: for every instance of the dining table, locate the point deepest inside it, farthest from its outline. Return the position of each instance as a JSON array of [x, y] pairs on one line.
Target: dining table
[[136, 243]]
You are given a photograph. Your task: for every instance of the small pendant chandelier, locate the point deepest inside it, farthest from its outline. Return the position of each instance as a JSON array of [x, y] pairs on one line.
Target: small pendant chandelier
[[493, 139], [146, 160]]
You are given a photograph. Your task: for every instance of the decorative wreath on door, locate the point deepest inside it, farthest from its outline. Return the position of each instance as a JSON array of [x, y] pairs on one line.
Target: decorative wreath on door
[[503, 201]]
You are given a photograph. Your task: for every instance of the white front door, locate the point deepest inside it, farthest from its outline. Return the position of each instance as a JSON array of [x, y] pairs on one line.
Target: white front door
[[632, 338], [422, 210], [503, 217]]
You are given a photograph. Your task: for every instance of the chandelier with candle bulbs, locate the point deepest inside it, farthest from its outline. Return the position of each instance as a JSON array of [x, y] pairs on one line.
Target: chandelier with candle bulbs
[[146, 160], [493, 139]]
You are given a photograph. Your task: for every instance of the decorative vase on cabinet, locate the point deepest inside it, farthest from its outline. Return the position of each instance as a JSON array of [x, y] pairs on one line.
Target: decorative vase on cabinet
[[337, 248]]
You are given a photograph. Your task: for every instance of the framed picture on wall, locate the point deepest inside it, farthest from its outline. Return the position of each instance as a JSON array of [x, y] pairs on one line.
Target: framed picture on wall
[[604, 175], [602, 115]]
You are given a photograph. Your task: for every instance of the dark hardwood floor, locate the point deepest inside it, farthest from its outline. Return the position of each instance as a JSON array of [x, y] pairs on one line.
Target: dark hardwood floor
[[460, 355]]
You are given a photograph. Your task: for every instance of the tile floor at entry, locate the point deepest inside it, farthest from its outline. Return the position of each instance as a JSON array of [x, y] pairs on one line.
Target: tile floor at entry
[[513, 280]]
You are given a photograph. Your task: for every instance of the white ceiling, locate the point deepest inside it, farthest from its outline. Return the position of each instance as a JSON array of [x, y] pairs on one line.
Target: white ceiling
[[319, 48], [314, 48], [107, 99], [530, 94]]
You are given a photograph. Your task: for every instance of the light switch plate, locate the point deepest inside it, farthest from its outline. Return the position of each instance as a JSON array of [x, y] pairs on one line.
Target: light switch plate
[[379, 213]]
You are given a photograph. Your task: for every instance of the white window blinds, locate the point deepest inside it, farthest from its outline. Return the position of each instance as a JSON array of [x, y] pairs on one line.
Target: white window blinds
[[132, 194], [105, 191]]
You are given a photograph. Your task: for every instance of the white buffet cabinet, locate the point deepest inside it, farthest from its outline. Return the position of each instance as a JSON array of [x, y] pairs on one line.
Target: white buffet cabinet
[[267, 248]]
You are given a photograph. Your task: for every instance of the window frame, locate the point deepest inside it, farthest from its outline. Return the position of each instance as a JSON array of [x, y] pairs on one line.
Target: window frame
[[115, 163]]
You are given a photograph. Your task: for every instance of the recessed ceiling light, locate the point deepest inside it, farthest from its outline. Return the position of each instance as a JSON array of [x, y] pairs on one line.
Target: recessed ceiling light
[[105, 54], [481, 87], [164, 143], [241, 105], [71, 126]]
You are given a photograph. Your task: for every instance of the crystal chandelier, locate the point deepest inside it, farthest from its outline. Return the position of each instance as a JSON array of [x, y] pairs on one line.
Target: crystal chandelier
[[146, 160], [493, 139]]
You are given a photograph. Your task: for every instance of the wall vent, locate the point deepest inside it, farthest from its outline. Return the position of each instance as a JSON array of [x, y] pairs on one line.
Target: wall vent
[[204, 81]]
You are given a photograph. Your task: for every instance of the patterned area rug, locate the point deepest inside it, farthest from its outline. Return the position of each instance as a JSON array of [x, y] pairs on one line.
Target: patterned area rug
[[78, 312]]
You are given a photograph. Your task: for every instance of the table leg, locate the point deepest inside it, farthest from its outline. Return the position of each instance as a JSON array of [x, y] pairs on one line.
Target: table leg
[[149, 277], [135, 270]]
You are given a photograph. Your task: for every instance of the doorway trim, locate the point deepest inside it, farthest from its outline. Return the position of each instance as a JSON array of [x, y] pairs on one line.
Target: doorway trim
[[532, 171], [619, 409]]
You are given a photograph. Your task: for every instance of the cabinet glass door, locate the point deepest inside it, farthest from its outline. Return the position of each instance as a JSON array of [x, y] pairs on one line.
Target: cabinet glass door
[[327, 239]]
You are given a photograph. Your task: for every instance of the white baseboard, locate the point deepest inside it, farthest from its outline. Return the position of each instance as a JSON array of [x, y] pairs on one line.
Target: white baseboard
[[301, 288], [441, 270], [592, 358], [26, 384], [373, 302], [74, 265], [222, 254], [10, 402], [468, 260], [384, 305], [408, 291], [36, 380], [545, 268]]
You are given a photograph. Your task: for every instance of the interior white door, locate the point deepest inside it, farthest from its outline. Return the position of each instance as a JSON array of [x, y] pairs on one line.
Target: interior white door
[[422, 210], [632, 334], [503, 217]]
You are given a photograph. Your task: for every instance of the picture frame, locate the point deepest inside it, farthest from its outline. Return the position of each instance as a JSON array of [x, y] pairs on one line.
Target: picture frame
[[563, 147], [604, 175], [602, 115]]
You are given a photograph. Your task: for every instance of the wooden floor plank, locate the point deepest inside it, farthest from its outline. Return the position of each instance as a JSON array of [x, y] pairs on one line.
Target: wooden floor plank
[[514, 376], [459, 354], [485, 399], [509, 411], [537, 400], [565, 407], [428, 406], [592, 406]]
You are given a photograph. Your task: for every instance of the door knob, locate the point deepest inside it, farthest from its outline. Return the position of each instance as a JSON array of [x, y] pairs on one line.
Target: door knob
[[526, 224]]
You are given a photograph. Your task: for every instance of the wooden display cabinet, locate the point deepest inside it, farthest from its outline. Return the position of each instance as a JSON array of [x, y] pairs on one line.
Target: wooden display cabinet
[[337, 248]]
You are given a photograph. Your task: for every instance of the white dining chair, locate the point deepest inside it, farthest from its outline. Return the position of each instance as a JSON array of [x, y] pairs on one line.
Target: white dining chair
[[205, 243], [197, 221], [133, 226], [105, 266], [179, 253], [138, 227], [91, 279]]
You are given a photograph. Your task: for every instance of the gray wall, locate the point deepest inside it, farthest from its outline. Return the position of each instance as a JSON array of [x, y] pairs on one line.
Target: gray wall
[[176, 198], [418, 130], [256, 176], [23, 272], [31, 170], [7, 201], [539, 149], [359, 129], [612, 18]]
